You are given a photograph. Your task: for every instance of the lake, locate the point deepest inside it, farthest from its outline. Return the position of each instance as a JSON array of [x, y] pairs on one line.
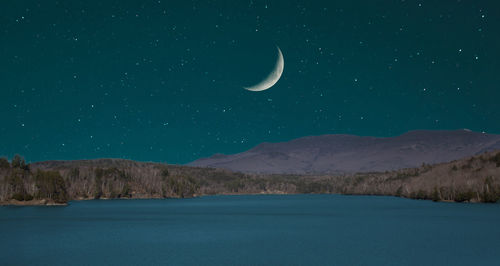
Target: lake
[[252, 230]]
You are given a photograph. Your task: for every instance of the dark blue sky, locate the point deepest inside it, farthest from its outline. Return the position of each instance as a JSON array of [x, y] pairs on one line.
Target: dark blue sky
[[163, 80]]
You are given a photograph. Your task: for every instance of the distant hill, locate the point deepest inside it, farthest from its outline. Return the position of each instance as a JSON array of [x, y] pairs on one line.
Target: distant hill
[[334, 154], [470, 179]]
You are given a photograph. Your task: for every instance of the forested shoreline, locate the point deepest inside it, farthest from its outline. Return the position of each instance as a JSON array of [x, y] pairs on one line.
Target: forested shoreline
[[474, 179]]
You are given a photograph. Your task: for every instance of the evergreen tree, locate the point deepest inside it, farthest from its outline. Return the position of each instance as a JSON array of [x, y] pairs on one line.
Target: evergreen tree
[[4, 163], [51, 185], [17, 161]]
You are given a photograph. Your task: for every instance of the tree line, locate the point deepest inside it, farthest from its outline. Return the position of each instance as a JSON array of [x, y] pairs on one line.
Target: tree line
[[472, 179]]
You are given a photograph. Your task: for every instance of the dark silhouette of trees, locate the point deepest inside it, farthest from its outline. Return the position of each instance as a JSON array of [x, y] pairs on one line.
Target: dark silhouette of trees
[[4, 163], [51, 185], [18, 162], [16, 185]]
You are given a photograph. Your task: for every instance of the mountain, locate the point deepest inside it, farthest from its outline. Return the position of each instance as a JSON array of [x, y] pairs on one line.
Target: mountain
[[329, 154]]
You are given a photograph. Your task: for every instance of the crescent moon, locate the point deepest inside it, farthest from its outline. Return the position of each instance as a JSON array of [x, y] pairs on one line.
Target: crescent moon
[[273, 77]]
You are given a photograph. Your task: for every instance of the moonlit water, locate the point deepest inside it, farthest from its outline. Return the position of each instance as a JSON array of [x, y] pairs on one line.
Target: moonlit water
[[250, 230]]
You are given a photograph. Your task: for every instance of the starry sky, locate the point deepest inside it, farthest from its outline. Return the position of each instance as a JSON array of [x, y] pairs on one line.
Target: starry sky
[[163, 80]]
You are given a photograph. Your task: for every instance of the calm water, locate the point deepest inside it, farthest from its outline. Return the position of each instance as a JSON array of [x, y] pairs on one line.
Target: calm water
[[250, 230]]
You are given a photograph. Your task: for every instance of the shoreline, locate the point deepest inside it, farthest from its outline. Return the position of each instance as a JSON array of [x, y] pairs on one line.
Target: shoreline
[[49, 203], [41, 202]]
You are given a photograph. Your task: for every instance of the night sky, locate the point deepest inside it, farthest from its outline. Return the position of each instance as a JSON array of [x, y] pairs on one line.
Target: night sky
[[163, 80]]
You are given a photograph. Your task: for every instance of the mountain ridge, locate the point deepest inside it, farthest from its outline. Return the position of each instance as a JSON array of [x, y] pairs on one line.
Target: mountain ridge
[[342, 153]]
